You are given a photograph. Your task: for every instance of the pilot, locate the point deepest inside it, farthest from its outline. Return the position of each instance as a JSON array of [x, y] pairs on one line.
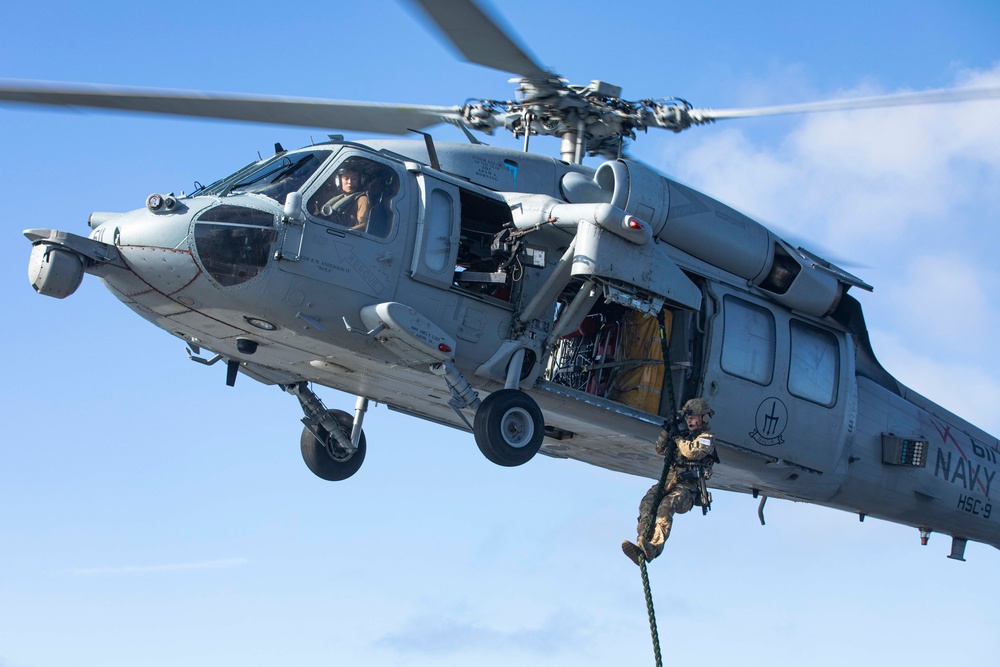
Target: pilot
[[351, 207], [691, 466]]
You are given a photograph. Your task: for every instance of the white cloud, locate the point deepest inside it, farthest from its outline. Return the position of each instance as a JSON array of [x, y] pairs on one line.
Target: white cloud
[[854, 176], [158, 569], [950, 298]]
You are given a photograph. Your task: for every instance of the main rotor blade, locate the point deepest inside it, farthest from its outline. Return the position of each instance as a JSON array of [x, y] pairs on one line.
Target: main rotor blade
[[329, 114], [895, 100], [479, 39]]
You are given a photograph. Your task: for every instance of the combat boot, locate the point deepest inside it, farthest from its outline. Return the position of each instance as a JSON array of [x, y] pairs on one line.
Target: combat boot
[[633, 552], [647, 549]]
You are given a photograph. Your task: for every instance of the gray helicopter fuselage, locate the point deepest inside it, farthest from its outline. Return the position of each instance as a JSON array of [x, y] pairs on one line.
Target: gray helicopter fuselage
[[265, 273]]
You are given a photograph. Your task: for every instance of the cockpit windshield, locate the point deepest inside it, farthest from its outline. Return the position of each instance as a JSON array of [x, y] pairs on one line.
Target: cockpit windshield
[[274, 178], [220, 186]]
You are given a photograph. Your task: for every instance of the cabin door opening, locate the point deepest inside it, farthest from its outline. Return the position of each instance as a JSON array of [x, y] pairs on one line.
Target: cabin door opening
[[617, 353]]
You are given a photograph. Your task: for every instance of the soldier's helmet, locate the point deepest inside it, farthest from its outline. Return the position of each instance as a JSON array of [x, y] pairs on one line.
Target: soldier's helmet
[[699, 406]]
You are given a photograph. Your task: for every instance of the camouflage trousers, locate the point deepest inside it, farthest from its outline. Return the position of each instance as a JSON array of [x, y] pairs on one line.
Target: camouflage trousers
[[678, 499]]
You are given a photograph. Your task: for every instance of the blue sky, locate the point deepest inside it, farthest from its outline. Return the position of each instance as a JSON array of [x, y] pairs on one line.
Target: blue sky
[[150, 515]]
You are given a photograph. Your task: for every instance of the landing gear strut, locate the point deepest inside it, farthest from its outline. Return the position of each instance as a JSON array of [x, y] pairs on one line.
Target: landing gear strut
[[509, 427], [331, 447]]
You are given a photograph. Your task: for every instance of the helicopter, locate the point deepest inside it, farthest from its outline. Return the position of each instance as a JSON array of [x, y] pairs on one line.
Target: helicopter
[[496, 291]]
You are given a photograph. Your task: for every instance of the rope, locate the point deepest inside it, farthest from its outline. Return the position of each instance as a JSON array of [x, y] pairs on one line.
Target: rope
[[652, 614], [665, 345], [647, 532], [666, 440]]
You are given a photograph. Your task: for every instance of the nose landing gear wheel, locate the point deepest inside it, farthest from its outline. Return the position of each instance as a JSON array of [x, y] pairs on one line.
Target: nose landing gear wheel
[[326, 459], [509, 427]]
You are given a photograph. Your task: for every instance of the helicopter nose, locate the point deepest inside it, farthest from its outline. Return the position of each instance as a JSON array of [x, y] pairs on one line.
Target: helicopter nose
[[151, 227], [154, 244]]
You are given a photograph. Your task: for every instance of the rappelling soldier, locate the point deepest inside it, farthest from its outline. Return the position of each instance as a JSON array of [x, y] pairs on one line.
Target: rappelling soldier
[[691, 456]]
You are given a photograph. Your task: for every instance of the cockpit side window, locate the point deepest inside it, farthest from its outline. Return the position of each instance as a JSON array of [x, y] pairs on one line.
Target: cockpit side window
[[358, 195]]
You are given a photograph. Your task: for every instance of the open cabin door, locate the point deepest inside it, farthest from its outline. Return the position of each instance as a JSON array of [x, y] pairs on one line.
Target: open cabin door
[[437, 237], [455, 225], [626, 321], [618, 353]]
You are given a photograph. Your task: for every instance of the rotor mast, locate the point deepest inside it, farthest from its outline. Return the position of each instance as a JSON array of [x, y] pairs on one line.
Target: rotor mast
[[588, 119]]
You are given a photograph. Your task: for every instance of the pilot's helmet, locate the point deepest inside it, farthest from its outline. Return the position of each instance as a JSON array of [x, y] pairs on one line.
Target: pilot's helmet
[[700, 407], [359, 175]]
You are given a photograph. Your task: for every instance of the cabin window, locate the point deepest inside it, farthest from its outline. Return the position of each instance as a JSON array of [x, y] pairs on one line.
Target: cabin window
[[747, 341], [437, 232], [440, 216], [358, 195], [814, 366]]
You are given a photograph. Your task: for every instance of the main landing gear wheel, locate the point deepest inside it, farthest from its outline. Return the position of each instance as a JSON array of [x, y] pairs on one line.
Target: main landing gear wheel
[[509, 427], [326, 458]]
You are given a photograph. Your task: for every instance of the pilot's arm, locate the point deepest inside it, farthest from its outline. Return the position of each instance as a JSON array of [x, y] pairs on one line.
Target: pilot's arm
[[362, 213]]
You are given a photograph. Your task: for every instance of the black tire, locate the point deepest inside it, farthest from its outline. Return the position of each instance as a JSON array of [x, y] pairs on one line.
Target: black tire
[[317, 456], [509, 427]]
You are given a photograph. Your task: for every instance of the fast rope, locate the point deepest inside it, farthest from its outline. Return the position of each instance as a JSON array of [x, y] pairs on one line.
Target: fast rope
[[665, 347], [652, 614], [666, 440], [647, 532]]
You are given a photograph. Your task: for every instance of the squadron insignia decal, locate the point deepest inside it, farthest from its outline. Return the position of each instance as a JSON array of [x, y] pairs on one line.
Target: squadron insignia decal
[[770, 422]]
